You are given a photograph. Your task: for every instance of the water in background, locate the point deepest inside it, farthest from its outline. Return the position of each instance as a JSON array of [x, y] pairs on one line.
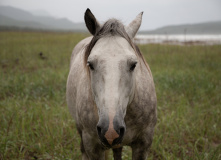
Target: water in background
[[179, 39]]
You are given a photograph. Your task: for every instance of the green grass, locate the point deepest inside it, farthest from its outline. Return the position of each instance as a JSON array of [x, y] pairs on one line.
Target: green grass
[[35, 122]]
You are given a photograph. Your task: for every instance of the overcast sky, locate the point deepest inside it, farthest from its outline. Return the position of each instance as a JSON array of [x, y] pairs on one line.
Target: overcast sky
[[157, 13]]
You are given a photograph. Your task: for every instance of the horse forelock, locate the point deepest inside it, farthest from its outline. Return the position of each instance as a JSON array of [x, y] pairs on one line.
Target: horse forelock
[[112, 27]]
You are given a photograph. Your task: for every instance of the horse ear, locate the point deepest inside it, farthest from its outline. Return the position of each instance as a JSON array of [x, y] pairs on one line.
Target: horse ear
[[134, 26], [91, 22]]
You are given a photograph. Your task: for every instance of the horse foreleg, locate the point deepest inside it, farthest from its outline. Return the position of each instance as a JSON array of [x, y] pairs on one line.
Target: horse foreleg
[[117, 153], [84, 154], [140, 148], [139, 153], [93, 150]]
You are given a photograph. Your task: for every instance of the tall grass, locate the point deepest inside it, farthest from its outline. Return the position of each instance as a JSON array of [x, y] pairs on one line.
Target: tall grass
[[35, 122], [188, 84]]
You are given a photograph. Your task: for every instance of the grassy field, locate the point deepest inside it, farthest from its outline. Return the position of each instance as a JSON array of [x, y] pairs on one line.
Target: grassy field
[[35, 122]]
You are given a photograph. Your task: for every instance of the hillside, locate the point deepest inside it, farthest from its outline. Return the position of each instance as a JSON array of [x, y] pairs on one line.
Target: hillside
[[5, 21], [200, 28], [13, 17]]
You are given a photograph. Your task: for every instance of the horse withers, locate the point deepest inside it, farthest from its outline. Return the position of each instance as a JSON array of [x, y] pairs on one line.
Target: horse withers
[[110, 91]]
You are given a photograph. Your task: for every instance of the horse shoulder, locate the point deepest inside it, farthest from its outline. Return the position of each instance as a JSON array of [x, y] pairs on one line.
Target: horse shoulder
[[143, 107], [79, 98], [141, 113]]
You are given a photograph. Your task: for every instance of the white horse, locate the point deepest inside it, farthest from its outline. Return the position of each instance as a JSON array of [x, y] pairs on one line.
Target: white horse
[[110, 91]]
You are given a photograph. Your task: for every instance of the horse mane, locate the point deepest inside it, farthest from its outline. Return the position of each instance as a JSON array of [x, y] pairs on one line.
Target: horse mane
[[112, 27]]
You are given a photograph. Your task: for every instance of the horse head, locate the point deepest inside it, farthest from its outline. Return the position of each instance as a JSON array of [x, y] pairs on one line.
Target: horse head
[[111, 59]]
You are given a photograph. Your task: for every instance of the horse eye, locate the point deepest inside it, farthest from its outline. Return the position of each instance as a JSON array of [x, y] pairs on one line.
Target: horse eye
[[90, 65], [133, 66]]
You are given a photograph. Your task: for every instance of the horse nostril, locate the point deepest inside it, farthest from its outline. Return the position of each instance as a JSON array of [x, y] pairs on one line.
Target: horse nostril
[[99, 130], [122, 130], [110, 134]]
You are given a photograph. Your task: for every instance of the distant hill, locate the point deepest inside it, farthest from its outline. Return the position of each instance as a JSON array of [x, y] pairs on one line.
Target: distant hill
[[11, 17], [10, 22], [14, 17], [199, 28], [40, 12]]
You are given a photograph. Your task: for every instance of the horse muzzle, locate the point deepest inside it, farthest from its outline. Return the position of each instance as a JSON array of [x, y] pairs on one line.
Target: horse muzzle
[[111, 132]]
